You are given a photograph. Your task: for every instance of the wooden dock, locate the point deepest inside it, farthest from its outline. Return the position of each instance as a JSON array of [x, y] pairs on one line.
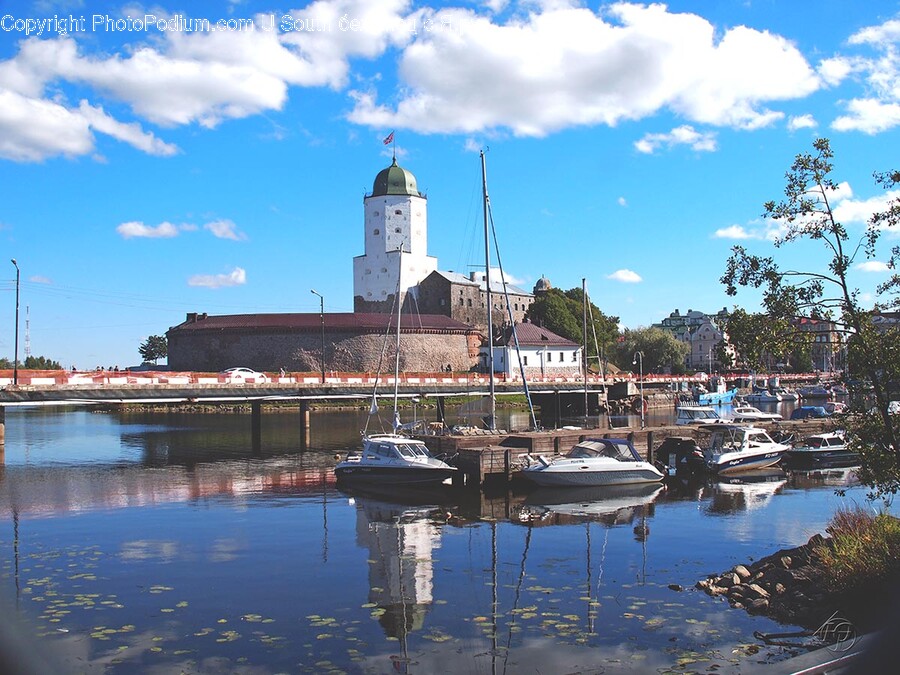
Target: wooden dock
[[485, 457]]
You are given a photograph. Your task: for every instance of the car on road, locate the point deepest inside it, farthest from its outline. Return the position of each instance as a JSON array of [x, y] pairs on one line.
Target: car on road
[[243, 375]]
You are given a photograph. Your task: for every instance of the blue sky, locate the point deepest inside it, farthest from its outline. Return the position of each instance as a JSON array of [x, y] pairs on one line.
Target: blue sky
[[148, 170]]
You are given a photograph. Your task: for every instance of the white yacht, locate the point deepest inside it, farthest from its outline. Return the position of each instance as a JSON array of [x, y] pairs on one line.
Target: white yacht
[[395, 460], [593, 462], [696, 414], [732, 448], [748, 413]]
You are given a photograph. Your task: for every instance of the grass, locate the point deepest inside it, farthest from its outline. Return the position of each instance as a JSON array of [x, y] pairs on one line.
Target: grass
[[864, 550]]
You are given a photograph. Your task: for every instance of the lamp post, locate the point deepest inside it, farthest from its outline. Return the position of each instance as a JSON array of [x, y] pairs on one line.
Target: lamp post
[[16, 354], [322, 318], [639, 359]]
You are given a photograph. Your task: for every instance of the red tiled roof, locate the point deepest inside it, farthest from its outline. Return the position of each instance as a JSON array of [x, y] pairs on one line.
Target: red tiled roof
[[344, 321]]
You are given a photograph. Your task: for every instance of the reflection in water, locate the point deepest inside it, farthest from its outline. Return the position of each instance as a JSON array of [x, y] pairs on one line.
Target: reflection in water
[[401, 541], [746, 491], [610, 505]]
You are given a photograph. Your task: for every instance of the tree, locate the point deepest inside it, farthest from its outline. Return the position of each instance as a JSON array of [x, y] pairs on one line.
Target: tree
[[41, 363], [806, 214], [758, 338], [154, 348], [563, 312], [661, 350]]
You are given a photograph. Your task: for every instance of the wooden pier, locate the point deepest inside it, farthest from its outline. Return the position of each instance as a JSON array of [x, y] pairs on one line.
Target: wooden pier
[[485, 457]]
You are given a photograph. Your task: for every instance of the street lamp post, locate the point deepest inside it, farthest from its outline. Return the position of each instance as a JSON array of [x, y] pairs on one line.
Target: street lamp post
[[639, 360], [16, 353], [322, 318]]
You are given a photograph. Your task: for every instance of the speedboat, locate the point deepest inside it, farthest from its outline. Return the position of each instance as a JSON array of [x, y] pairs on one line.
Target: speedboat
[[395, 460], [732, 448], [786, 394], [763, 396], [696, 414], [822, 450], [592, 462], [747, 413]]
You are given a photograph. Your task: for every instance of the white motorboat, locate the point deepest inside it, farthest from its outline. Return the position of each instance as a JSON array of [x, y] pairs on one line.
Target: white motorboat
[[696, 414], [827, 449], [786, 394], [395, 460], [592, 462], [732, 448], [748, 413], [815, 391], [763, 396]]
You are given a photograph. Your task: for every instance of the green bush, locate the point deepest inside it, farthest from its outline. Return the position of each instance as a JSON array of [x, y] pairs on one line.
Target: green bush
[[864, 549]]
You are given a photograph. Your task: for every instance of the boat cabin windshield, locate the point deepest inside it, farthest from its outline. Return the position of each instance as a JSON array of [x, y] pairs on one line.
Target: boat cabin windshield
[[412, 450], [620, 450]]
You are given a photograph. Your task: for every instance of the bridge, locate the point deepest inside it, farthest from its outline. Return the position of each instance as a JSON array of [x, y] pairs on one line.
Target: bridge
[[62, 388]]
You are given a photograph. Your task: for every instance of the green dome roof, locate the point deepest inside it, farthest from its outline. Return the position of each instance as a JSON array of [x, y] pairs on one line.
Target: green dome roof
[[395, 180]]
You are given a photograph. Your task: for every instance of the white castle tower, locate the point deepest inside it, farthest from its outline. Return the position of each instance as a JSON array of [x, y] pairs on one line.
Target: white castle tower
[[396, 241]]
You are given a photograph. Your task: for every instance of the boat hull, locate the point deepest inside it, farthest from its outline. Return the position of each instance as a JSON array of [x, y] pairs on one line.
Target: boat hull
[[587, 478], [392, 475], [717, 398], [813, 459], [736, 462]]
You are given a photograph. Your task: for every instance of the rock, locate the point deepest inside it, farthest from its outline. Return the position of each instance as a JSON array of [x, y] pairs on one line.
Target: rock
[[703, 584], [786, 561], [759, 606], [741, 571], [779, 589], [757, 591], [726, 581], [737, 592], [676, 587]]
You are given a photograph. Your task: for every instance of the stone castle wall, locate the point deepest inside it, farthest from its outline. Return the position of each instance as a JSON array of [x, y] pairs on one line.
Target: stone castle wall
[[209, 351]]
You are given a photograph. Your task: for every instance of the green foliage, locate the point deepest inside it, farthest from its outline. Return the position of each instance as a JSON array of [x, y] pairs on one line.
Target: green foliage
[[562, 312], [154, 348], [806, 214], [864, 549], [41, 363], [6, 364], [660, 349], [760, 338]]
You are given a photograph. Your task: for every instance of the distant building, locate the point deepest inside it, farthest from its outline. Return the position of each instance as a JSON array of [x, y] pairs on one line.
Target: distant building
[[827, 343], [353, 342], [701, 332], [543, 353], [464, 298]]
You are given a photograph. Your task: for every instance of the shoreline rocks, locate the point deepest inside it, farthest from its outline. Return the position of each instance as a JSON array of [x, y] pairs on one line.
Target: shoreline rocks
[[787, 586]]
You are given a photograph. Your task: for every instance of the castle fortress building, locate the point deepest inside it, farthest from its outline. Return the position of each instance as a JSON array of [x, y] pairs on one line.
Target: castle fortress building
[[396, 242], [444, 314]]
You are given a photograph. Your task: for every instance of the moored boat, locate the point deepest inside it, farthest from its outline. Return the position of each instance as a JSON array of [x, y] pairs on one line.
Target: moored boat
[[592, 462], [748, 413], [732, 448], [696, 414], [827, 449], [395, 460]]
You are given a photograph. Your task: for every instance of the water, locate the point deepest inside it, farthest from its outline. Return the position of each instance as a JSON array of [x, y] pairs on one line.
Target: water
[[164, 543]]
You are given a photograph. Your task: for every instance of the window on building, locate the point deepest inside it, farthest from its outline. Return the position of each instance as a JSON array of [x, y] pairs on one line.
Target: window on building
[[562, 357], [398, 212], [524, 360], [377, 232], [442, 302], [461, 302], [549, 357], [574, 356], [470, 302], [396, 229]]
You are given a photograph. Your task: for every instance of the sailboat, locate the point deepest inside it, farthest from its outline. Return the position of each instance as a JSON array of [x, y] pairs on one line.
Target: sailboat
[[392, 458]]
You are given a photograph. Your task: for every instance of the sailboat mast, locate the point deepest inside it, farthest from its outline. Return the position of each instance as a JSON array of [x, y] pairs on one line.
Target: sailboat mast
[[487, 285], [584, 361], [396, 420]]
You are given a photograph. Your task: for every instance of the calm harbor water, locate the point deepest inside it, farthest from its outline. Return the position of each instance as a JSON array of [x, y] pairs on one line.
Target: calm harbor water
[[162, 543]]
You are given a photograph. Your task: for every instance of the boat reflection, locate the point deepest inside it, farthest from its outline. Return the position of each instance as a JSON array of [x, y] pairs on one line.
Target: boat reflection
[[747, 491], [611, 505], [842, 477], [401, 536]]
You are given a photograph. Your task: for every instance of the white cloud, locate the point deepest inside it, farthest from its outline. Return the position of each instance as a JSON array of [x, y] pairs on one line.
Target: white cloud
[[135, 228], [39, 279], [237, 277], [621, 201], [872, 266], [625, 276], [860, 210], [879, 109], [32, 130], [683, 135], [225, 229], [802, 122], [568, 66], [735, 232], [129, 133]]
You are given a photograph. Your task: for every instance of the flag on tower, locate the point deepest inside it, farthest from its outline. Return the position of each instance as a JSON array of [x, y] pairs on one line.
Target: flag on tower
[[389, 139]]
